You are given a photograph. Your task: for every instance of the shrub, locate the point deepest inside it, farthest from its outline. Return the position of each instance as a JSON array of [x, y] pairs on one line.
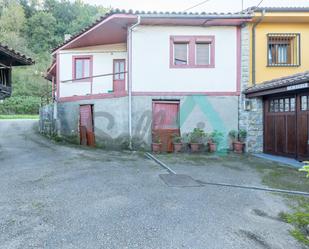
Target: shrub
[[20, 105], [215, 137], [197, 136], [176, 138]]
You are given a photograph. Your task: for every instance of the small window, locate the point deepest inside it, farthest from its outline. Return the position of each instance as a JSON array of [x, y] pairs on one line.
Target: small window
[[180, 54], [202, 53], [283, 50], [287, 105], [82, 68], [304, 103], [119, 69], [292, 104]]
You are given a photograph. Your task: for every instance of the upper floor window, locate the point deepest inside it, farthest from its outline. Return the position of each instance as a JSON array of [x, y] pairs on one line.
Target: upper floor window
[[181, 54], [82, 67], [192, 51], [283, 49]]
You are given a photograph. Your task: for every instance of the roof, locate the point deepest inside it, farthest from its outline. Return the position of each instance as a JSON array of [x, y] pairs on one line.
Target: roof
[[265, 87], [13, 58], [282, 9], [158, 15]]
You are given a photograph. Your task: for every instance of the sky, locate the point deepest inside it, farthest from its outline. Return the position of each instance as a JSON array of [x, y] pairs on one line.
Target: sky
[[181, 5]]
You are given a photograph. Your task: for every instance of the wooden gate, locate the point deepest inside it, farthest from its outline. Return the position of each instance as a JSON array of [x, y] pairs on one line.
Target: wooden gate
[[165, 122], [86, 125], [286, 126]]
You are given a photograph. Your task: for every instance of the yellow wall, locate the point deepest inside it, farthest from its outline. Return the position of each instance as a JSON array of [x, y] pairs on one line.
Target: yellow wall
[[264, 73]]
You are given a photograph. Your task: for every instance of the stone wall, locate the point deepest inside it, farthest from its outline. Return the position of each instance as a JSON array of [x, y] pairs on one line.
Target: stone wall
[[250, 120]]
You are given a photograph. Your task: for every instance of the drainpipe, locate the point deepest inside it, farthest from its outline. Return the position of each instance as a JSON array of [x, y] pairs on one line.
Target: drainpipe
[[129, 48], [253, 46]]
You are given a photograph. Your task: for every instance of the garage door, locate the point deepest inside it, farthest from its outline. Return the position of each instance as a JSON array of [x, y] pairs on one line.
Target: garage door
[[286, 126], [165, 122]]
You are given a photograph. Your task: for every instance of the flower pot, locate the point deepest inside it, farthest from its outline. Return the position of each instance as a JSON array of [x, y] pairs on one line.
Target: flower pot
[[195, 147], [177, 147], [156, 147], [238, 147], [212, 147]]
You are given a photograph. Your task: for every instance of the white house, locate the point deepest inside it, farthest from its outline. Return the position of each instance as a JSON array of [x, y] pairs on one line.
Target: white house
[[132, 75]]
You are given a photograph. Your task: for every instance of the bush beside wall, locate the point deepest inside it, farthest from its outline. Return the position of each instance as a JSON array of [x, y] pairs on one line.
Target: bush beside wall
[[20, 105]]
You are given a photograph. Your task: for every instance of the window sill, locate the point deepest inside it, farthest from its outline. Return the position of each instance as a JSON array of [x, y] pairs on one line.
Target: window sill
[[282, 65], [191, 66]]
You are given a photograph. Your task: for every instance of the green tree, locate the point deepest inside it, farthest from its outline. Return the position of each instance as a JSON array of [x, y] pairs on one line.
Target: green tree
[[41, 32]]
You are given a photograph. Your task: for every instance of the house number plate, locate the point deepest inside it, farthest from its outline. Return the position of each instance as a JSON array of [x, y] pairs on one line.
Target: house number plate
[[296, 87]]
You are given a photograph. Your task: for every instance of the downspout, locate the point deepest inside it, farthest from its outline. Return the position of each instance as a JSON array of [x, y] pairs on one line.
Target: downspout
[[253, 46], [129, 48]]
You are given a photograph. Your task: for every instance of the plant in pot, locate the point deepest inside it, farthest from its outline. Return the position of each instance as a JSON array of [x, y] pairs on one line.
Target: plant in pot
[[177, 142], [238, 140], [156, 144], [215, 138], [196, 139]]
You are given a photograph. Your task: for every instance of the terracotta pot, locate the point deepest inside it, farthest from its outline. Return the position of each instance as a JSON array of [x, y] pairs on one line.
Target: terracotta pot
[[156, 147], [195, 147], [177, 147], [212, 147], [238, 147]]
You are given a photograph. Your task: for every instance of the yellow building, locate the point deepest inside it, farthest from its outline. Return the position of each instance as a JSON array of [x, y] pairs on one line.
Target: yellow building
[[279, 40], [276, 107]]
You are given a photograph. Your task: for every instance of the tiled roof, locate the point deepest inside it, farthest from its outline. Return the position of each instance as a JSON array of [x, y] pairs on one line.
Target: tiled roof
[[253, 9], [22, 59], [157, 14], [280, 82]]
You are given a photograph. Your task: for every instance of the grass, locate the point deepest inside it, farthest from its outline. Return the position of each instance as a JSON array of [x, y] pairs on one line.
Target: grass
[[18, 116]]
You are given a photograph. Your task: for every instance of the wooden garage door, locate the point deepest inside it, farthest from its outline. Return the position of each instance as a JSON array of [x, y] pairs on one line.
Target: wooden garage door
[[286, 126], [280, 126], [165, 122]]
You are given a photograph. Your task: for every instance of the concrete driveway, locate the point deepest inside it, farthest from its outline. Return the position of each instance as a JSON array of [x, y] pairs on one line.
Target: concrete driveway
[[56, 196]]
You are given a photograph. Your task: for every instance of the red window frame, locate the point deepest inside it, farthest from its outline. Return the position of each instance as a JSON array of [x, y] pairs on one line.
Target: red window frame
[[82, 57], [192, 41]]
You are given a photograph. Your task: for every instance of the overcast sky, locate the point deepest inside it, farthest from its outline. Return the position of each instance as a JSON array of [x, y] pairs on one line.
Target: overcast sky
[[181, 5]]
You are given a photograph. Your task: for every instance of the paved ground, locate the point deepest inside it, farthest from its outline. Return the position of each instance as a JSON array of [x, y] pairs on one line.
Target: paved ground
[[54, 196]]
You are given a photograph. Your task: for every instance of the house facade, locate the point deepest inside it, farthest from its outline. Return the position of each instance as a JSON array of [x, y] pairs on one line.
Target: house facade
[[131, 77], [274, 107]]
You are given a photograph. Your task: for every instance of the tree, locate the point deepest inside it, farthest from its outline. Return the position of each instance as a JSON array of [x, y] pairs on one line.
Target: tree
[[41, 32]]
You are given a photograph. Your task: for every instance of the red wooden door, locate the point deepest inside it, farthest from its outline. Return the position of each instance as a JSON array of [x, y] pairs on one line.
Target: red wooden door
[[86, 125], [165, 122], [119, 82]]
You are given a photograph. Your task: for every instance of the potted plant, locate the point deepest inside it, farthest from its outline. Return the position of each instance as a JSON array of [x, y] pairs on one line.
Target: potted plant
[[215, 138], [196, 139], [238, 139], [177, 142], [233, 135], [156, 144]]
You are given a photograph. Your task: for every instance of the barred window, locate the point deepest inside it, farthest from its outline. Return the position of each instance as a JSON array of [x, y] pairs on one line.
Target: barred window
[[283, 49]]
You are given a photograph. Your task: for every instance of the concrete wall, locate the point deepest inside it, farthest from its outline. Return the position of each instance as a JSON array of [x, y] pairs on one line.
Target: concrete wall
[[111, 118], [103, 57], [151, 58]]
